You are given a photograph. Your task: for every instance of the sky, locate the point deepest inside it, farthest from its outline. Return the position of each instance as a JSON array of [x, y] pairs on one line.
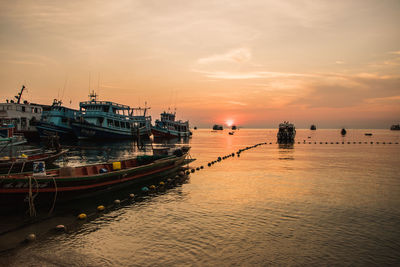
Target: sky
[[256, 63]]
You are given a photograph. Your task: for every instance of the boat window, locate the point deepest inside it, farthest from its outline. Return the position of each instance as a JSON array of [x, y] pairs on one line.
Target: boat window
[[128, 126], [106, 108], [122, 124], [64, 120], [23, 108], [116, 123], [110, 122]]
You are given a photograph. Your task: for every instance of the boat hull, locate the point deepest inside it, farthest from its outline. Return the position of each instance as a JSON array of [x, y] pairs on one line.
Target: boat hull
[[164, 133], [89, 131], [46, 130], [15, 191]]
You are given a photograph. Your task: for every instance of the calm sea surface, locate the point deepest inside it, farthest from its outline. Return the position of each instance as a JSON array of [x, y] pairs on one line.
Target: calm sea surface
[[309, 204]]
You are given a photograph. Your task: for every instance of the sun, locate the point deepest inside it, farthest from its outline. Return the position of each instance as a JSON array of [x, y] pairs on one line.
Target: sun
[[229, 122]]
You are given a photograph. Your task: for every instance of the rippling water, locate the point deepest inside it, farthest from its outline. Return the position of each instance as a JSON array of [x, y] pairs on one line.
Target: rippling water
[[308, 204]]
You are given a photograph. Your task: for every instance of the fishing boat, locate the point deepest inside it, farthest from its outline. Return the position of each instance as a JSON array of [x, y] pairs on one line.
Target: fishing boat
[[217, 127], [234, 127], [286, 133], [25, 162], [313, 127], [22, 114], [343, 131], [109, 120], [168, 127], [8, 138], [395, 127], [67, 183], [57, 121]]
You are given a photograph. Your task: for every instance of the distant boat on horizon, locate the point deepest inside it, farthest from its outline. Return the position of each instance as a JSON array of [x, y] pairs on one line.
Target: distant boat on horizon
[[343, 132], [313, 127], [217, 127], [395, 127]]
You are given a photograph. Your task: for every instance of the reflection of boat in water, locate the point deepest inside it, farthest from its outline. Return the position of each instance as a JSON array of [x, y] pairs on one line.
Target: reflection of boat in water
[[313, 127], [343, 131], [368, 134], [168, 127], [8, 138], [108, 120], [286, 133], [23, 115], [57, 121], [395, 127], [231, 133], [68, 183], [217, 127]]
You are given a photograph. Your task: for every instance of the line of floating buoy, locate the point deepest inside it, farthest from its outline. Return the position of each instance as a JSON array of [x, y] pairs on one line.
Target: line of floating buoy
[[348, 142]]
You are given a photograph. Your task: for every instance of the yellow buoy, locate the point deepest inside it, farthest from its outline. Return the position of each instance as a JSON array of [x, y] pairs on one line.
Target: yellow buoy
[[30, 237], [152, 186], [100, 208], [162, 183], [82, 216]]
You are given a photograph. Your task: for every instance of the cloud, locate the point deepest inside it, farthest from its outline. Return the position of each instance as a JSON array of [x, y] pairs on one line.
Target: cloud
[[237, 103], [249, 75], [237, 55], [339, 62]]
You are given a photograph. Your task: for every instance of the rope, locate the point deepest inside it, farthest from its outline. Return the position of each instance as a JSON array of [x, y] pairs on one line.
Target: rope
[[32, 210], [55, 196]]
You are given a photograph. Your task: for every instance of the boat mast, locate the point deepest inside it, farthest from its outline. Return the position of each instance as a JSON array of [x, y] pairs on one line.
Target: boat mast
[[18, 97]]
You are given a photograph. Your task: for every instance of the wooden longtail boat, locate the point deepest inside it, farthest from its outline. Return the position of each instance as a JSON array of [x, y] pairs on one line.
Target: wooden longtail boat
[[25, 163], [69, 183]]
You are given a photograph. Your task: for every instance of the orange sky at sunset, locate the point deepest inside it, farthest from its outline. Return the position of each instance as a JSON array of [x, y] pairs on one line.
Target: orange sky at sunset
[[256, 63]]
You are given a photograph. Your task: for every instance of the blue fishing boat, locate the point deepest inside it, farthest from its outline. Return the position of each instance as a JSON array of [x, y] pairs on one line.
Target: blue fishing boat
[[168, 127], [109, 120], [57, 121]]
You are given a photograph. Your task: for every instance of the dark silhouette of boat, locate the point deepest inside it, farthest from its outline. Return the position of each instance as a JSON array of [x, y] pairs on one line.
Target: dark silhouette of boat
[[217, 127], [395, 127], [343, 132], [313, 127], [286, 133], [234, 127], [368, 134]]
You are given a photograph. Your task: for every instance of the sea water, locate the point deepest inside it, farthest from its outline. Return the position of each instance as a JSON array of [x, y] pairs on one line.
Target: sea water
[[326, 201]]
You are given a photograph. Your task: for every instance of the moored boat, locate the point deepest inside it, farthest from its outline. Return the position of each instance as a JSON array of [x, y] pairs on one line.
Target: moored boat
[[8, 138], [313, 127], [57, 121], [286, 133], [109, 120], [168, 127], [343, 132], [22, 114], [23, 163], [67, 183]]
